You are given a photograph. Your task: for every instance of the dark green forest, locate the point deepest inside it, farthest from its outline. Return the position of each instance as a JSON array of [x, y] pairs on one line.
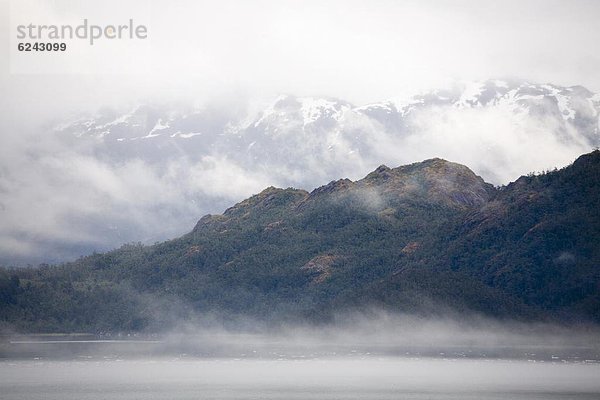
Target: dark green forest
[[427, 238]]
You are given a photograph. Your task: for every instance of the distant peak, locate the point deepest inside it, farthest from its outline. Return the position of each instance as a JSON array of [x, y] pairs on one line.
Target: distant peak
[[588, 160], [285, 101], [381, 173], [270, 190], [435, 160], [333, 186]]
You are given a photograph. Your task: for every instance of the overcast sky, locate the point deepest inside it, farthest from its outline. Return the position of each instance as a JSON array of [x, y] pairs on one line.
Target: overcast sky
[[357, 50], [228, 53]]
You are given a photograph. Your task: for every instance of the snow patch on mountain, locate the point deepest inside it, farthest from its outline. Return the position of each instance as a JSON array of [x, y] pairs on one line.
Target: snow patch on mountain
[[185, 135], [160, 126], [471, 95], [314, 108]]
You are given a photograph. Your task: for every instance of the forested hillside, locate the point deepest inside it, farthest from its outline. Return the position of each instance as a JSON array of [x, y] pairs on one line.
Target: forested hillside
[[430, 237]]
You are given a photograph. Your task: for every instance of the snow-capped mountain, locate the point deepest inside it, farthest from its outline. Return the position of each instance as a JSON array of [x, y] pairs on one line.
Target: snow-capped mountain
[[575, 108], [310, 140], [149, 173]]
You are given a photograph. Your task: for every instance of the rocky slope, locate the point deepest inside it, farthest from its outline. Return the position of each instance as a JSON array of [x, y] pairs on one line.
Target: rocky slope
[[429, 237]]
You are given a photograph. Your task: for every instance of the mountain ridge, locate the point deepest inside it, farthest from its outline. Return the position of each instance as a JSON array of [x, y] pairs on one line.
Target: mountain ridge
[[145, 173], [564, 101], [405, 239]]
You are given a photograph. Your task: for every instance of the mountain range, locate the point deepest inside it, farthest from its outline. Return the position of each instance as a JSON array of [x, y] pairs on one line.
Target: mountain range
[[292, 132], [427, 238], [96, 181]]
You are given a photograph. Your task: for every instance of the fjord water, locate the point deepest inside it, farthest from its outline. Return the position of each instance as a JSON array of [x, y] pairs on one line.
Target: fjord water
[[375, 359], [360, 377]]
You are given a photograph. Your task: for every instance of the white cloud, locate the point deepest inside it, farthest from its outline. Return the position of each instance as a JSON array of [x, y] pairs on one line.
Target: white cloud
[[361, 51], [357, 50], [498, 143]]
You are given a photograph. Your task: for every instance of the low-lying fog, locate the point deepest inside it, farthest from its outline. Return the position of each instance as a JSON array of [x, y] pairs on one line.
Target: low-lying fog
[[375, 333], [364, 357]]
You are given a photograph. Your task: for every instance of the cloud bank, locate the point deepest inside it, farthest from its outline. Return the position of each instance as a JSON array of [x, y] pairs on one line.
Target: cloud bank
[[60, 198]]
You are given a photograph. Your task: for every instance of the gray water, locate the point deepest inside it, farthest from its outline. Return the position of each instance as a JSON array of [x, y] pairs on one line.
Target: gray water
[[389, 359], [361, 377]]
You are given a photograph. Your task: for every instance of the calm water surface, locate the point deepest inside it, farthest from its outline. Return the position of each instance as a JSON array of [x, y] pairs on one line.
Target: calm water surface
[[360, 377]]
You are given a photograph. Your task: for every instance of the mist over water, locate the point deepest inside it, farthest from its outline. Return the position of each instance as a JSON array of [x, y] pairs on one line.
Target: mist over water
[[376, 332], [380, 356]]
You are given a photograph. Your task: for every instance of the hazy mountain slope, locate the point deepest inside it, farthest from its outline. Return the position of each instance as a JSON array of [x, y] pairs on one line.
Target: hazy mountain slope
[[145, 174], [429, 237], [539, 239]]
